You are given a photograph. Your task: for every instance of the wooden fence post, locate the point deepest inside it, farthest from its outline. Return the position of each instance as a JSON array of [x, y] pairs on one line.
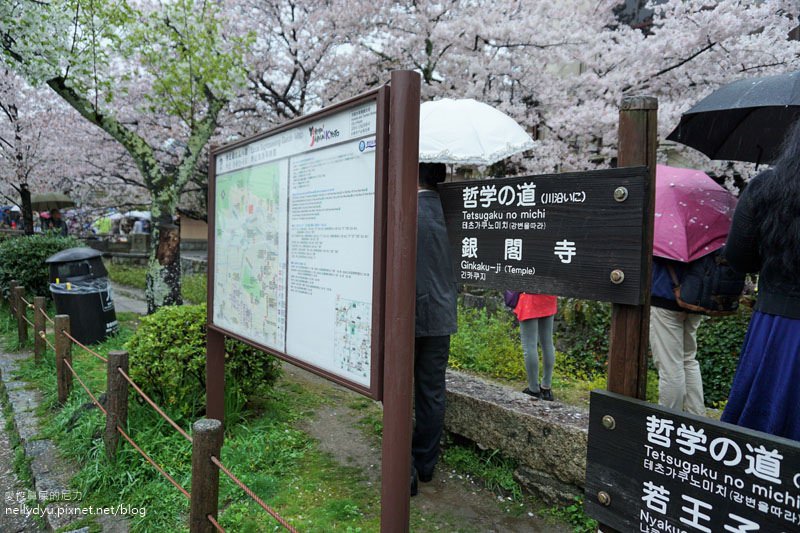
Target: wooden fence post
[[63, 353], [39, 326], [630, 324], [22, 308], [207, 436], [11, 303], [116, 401]]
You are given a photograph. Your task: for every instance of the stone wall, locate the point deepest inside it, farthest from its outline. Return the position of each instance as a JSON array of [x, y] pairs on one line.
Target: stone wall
[[548, 439]]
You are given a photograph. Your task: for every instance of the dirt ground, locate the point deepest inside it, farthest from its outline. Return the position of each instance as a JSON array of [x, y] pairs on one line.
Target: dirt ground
[[452, 501]]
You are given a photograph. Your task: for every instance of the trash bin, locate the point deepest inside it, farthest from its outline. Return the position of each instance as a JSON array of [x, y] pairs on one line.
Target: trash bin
[[80, 288]]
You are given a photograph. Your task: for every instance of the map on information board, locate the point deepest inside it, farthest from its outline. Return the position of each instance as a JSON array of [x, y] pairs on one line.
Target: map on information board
[[294, 224], [252, 274]]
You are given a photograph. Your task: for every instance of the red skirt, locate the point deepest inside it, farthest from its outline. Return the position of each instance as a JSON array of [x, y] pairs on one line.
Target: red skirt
[[535, 306]]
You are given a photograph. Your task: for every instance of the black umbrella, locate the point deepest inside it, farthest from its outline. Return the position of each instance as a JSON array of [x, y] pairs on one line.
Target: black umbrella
[[50, 200], [746, 120]]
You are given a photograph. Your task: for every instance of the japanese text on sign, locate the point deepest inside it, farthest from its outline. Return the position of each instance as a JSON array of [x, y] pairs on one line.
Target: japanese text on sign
[[692, 474]]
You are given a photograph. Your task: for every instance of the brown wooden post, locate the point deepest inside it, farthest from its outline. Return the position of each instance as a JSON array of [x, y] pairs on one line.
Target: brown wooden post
[[39, 327], [398, 367], [215, 375], [63, 353], [12, 305], [627, 359], [116, 400], [22, 311], [206, 442]]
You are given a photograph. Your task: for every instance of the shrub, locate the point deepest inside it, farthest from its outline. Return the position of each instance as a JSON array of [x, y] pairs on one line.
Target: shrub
[[22, 258], [168, 355], [487, 344], [582, 328]]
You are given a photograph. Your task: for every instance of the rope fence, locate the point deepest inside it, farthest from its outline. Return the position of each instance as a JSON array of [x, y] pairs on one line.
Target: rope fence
[[155, 465], [115, 411], [76, 341], [253, 495], [153, 405], [214, 523], [46, 316]]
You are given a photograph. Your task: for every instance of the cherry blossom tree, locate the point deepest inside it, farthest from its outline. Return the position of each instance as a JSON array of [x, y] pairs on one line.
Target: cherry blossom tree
[[115, 62]]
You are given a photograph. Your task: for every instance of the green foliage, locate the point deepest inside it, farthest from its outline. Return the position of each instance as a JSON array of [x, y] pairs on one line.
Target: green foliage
[[132, 276], [719, 342], [168, 354], [193, 288], [23, 259], [487, 344], [496, 471], [582, 328], [574, 515]]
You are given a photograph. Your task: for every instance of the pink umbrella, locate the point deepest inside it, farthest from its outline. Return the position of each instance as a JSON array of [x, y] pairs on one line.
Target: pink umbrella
[[693, 214]]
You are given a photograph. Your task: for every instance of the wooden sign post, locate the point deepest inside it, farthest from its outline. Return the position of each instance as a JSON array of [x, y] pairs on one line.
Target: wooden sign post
[[630, 323]]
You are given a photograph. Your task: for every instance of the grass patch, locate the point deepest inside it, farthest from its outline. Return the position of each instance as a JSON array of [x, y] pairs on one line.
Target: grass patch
[[193, 286], [573, 515], [494, 470], [132, 276]]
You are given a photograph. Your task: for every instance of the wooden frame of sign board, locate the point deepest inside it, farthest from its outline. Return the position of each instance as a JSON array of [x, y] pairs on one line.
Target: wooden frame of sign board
[[307, 131], [393, 227]]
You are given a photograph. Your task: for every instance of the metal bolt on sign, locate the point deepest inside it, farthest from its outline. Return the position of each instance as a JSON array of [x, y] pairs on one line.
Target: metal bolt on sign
[[609, 422], [604, 498], [620, 194], [617, 276]]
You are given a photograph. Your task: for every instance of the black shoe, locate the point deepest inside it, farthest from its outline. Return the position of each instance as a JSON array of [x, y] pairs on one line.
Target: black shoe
[[414, 487], [529, 392], [425, 477], [547, 394]]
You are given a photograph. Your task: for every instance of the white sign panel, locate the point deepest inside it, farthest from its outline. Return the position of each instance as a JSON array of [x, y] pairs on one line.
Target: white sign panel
[[294, 236]]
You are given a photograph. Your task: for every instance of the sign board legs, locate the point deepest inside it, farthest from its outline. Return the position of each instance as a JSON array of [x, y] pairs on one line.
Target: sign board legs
[[398, 369], [215, 375]]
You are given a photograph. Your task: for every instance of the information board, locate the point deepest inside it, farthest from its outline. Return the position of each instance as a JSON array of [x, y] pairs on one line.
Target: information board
[[294, 241], [574, 234], [653, 470]]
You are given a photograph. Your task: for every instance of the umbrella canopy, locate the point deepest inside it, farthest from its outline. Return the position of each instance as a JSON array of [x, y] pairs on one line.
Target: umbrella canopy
[[746, 120], [468, 132], [693, 214], [50, 200], [138, 214]]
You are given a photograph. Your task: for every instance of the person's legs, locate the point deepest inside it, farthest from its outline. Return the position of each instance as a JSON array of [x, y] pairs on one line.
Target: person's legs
[[666, 343], [548, 349], [430, 362], [528, 334], [693, 402]]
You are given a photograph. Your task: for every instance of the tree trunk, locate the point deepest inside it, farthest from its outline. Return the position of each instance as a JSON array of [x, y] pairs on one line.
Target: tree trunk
[[27, 211], [164, 265]]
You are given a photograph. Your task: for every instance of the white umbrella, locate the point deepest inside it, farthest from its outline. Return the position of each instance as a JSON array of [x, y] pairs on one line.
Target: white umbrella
[[138, 214], [468, 132]]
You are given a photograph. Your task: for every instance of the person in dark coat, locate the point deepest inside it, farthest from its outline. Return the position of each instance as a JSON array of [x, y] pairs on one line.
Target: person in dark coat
[[435, 321], [765, 238]]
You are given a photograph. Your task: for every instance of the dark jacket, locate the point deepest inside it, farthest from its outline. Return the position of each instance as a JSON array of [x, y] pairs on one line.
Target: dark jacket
[[661, 291], [778, 291], [436, 285]]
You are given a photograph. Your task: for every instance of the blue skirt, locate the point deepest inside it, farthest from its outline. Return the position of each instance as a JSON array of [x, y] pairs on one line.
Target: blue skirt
[[765, 394]]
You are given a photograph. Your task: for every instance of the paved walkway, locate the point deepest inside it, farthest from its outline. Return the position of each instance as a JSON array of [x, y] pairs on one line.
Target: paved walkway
[[14, 491], [128, 299]]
